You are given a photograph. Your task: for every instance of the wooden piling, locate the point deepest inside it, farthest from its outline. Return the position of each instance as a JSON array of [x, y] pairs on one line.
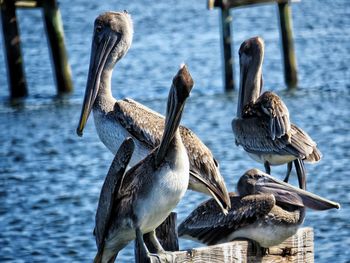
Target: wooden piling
[[166, 234], [12, 43], [296, 249], [54, 29], [290, 68], [226, 48]]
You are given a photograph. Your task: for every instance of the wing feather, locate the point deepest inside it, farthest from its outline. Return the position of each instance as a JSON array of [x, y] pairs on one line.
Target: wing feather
[[109, 190], [276, 112], [209, 225], [147, 126], [141, 122], [253, 135]]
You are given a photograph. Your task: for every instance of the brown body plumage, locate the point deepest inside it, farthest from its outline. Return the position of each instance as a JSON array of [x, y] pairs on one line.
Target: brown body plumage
[[137, 201], [265, 210], [116, 120], [262, 126]]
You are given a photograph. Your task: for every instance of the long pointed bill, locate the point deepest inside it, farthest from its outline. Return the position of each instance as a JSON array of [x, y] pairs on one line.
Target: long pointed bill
[[251, 55], [172, 122], [286, 193], [242, 83], [99, 54], [179, 92]]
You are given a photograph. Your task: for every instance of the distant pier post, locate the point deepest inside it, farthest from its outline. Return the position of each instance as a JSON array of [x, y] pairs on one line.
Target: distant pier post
[[290, 67], [16, 77], [54, 29], [55, 35], [226, 48]]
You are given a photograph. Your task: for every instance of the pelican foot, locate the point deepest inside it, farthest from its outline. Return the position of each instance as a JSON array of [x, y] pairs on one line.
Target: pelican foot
[[149, 258], [259, 250], [163, 257], [154, 240], [289, 169], [267, 167], [265, 251]]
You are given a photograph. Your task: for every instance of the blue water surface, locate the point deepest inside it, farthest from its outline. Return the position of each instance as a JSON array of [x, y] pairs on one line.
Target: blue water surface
[[50, 178]]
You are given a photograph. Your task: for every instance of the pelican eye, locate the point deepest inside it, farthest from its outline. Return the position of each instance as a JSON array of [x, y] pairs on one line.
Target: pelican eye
[[246, 50], [98, 28]]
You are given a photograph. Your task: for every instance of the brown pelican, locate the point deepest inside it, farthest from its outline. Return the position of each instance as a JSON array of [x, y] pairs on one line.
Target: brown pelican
[[116, 120], [146, 194], [267, 211], [262, 126]]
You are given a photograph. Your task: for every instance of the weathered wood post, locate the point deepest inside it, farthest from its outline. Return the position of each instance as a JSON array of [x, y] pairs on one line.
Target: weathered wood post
[[296, 249], [167, 236], [226, 19], [15, 72], [54, 29], [290, 68]]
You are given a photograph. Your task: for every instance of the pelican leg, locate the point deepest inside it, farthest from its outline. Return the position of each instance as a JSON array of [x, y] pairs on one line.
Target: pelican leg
[[258, 250], [267, 167], [301, 173], [289, 169], [146, 256], [162, 255], [153, 238], [265, 251], [144, 252]]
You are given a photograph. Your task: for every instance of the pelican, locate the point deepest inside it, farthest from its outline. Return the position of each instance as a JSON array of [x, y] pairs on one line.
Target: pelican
[[267, 211], [116, 120], [146, 194], [262, 126]]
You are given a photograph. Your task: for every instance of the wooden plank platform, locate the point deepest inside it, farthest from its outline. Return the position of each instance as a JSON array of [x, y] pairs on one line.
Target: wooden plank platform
[[298, 248]]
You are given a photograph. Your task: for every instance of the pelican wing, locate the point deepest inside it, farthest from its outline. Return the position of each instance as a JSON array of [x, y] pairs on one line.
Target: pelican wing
[[253, 135], [137, 176], [304, 144], [204, 168], [209, 225], [273, 108], [110, 189], [144, 124], [147, 126]]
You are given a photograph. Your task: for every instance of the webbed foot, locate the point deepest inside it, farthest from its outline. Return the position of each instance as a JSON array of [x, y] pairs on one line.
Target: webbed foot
[[259, 250], [163, 257]]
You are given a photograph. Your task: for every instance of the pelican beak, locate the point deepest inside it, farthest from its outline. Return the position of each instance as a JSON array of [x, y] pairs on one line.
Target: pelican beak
[[242, 82], [179, 92], [286, 193], [171, 124], [251, 55], [100, 52]]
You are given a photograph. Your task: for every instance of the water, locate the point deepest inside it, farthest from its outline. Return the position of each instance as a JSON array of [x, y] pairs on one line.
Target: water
[[50, 178]]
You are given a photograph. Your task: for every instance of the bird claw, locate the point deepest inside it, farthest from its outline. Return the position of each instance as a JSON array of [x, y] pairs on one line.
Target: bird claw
[[259, 250], [162, 256]]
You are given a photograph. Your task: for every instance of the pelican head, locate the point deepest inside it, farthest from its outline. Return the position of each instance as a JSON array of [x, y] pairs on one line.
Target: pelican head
[[111, 40], [251, 56], [255, 181], [179, 92]]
